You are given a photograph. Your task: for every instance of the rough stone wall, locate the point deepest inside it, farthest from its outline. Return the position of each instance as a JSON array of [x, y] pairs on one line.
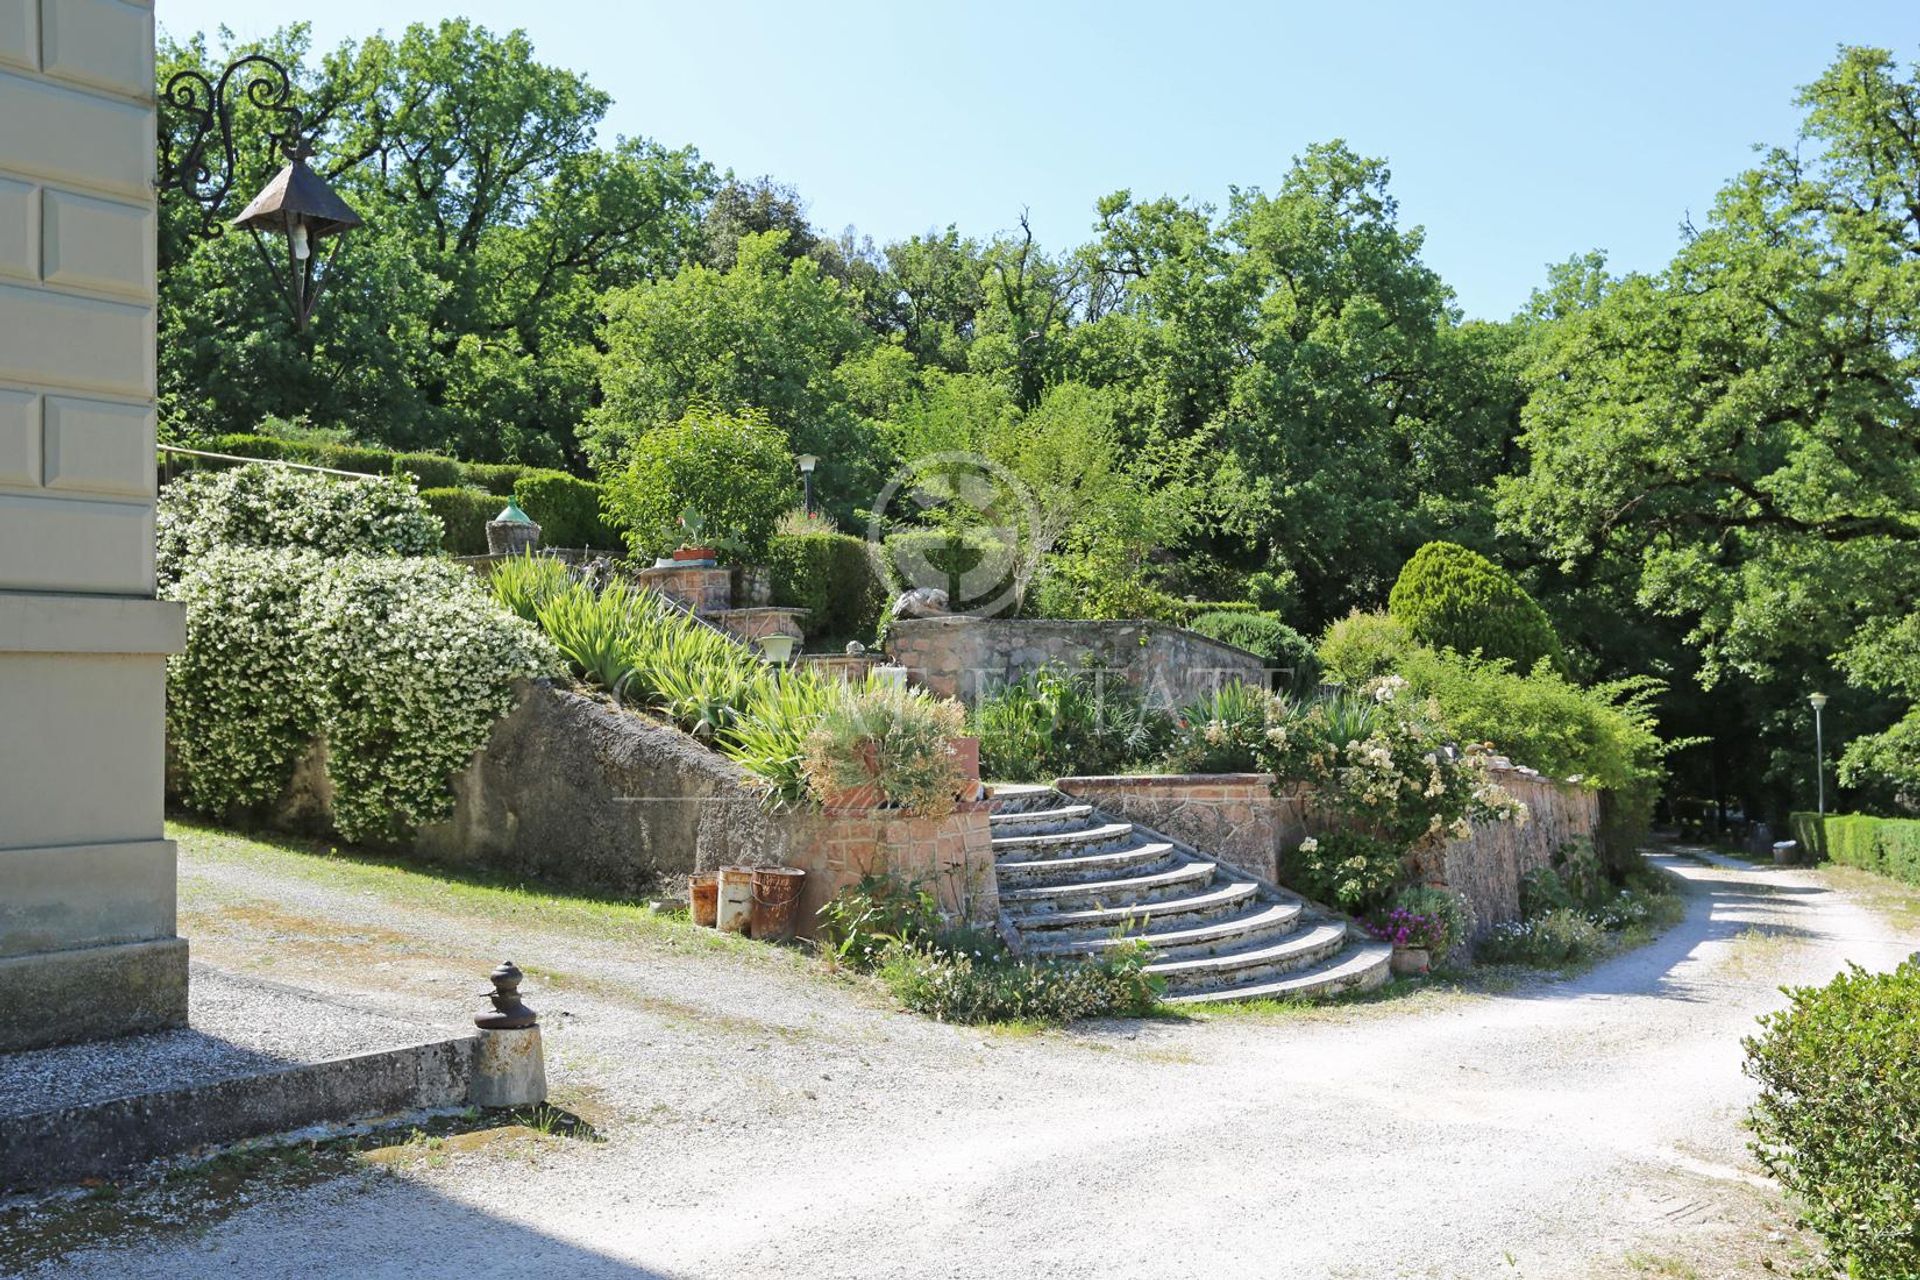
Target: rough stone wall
[[1238, 819], [576, 791], [965, 657], [701, 588]]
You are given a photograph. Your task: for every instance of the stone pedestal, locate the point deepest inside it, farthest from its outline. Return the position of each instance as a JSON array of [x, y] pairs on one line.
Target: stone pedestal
[[701, 588], [509, 1069]]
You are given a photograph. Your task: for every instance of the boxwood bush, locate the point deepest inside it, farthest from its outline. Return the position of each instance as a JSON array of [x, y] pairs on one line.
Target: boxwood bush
[[1452, 598], [1885, 846], [1278, 644], [567, 509], [1838, 1117], [833, 576], [463, 515]]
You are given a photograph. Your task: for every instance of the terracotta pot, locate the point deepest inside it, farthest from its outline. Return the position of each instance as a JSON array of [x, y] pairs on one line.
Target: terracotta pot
[[966, 754], [867, 796], [696, 553], [1411, 962]]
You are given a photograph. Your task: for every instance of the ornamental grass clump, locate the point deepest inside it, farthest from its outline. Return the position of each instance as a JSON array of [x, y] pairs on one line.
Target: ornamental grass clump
[[896, 741]]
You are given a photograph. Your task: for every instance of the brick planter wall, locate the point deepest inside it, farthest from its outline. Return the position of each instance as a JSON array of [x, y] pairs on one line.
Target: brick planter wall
[[1237, 818]]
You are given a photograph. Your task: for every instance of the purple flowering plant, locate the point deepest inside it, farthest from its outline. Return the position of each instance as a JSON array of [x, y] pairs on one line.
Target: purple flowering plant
[[1404, 928]]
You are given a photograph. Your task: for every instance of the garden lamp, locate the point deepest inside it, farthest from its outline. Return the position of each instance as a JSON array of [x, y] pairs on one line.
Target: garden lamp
[[1819, 700], [807, 462], [297, 203]]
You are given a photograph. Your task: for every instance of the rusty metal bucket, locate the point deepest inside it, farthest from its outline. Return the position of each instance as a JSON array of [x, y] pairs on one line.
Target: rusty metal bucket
[[736, 899], [703, 898], [776, 895]]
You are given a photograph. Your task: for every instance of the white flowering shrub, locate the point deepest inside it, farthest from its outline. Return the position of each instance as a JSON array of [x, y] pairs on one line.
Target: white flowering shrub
[[268, 506], [401, 665]]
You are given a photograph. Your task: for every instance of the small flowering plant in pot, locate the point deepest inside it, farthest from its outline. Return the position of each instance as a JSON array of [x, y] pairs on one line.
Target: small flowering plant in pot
[[1415, 936]]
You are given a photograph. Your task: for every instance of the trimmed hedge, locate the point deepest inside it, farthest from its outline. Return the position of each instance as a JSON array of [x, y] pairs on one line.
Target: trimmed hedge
[[463, 515], [833, 576], [567, 509], [1278, 644], [1452, 598], [500, 477], [429, 470], [1884, 846]]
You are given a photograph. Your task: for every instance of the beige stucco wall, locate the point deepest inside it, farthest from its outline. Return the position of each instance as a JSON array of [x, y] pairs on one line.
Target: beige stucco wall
[[87, 943]]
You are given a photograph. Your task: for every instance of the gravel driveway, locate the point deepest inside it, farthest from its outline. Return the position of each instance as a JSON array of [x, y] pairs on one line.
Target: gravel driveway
[[765, 1119]]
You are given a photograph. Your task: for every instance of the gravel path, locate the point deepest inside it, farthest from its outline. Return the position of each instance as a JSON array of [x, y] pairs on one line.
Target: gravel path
[[762, 1119]]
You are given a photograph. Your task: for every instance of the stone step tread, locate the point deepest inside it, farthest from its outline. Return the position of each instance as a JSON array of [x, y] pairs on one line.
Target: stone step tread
[[1196, 870], [1021, 817], [1226, 895], [1132, 855], [1322, 934], [1064, 839], [1360, 967], [1275, 917], [1010, 796]]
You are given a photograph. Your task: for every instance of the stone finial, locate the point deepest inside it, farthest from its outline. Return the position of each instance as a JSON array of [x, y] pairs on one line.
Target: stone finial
[[855, 649], [510, 1013]]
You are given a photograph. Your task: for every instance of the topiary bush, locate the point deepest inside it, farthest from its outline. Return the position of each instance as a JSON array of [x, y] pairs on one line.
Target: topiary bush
[[1452, 598], [833, 576], [400, 666], [568, 510], [1838, 1116], [730, 471], [1277, 644], [259, 505], [463, 514]]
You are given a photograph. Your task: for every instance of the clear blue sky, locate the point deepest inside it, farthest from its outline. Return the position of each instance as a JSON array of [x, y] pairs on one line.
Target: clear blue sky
[[1518, 134]]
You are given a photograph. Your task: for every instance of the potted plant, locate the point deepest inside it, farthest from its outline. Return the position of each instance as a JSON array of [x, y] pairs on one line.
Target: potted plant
[[886, 746], [1416, 937]]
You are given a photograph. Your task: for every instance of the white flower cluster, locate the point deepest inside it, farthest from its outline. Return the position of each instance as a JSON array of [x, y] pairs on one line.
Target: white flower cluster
[[266, 506], [400, 665]]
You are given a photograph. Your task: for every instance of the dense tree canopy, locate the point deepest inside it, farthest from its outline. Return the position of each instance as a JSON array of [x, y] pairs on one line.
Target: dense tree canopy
[[1710, 473]]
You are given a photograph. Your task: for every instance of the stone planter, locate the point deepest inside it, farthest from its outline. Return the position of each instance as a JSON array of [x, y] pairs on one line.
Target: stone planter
[[696, 555], [864, 798], [1411, 962], [966, 754]]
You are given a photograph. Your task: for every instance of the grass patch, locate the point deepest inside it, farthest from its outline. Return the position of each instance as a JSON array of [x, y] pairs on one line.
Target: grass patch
[[445, 889], [1897, 901]]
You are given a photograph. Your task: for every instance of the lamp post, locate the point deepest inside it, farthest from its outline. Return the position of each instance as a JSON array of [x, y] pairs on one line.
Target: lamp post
[[297, 203], [1819, 700], [807, 462]]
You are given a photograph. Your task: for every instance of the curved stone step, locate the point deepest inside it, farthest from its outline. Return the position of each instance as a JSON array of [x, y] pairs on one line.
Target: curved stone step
[[1183, 877], [1362, 968], [1211, 904], [1027, 848], [1301, 949], [1208, 938], [1043, 821], [1012, 797], [1134, 859]]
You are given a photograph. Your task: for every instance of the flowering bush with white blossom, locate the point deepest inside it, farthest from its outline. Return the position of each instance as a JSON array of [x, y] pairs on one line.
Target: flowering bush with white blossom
[[269, 506], [400, 666], [1382, 765]]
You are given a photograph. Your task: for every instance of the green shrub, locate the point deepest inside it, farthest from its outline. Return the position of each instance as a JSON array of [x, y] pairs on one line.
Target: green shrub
[[1221, 732], [1351, 870], [1362, 647], [1277, 644], [898, 740], [258, 505], [497, 478], [861, 921], [1051, 724], [1452, 909], [974, 569], [1273, 591], [1452, 598], [1884, 846], [731, 473], [768, 738], [567, 509], [400, 665], [464, 514], [969, 986], [1551, 940], [429, 470], [1838, 1116], [833, 577]]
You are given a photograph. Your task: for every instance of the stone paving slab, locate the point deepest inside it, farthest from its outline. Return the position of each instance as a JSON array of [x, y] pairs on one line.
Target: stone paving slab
[[256, 1057]]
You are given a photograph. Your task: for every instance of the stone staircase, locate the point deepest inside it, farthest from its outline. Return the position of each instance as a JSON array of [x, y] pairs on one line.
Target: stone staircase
[[1074, 882]]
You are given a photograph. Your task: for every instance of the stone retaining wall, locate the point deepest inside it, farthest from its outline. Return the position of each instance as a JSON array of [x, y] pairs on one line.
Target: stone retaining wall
[[577, 791], [965, 657], [1237, 818]]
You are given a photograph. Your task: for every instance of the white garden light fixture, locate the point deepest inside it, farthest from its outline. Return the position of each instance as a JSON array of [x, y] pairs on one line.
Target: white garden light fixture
[[1819, 700]]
